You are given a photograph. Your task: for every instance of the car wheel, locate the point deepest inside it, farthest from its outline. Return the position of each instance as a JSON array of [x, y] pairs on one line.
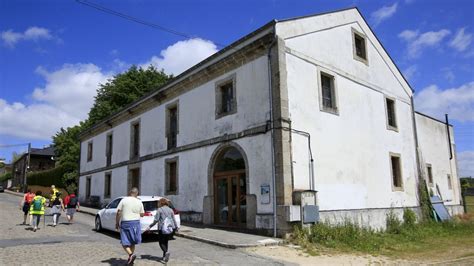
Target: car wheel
[[98, 224]]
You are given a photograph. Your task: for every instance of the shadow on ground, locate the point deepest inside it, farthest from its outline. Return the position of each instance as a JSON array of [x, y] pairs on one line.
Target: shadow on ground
[[115, 261]]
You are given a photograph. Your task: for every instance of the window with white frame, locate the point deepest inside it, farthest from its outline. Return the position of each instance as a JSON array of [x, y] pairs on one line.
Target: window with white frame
[[396, 170], [391, 113], [328, 97], [226, 101], [359, 46]]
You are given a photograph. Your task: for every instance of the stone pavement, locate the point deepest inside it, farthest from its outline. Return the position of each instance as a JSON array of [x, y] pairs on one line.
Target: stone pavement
[[219, 237], [79, 244]]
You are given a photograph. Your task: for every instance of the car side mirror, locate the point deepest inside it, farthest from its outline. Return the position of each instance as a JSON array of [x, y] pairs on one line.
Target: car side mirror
[[105, 206]]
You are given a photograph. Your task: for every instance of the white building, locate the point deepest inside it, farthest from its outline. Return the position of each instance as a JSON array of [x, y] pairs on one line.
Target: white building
[[206, 141]]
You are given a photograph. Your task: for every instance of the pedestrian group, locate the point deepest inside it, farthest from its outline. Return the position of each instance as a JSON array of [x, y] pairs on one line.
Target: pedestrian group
[[129, 212]]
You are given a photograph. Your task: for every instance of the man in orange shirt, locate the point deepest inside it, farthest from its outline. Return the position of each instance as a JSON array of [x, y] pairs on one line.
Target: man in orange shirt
[[25, 204]]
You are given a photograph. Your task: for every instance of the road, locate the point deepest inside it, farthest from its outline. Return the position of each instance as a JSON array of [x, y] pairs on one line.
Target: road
[[79, 244]]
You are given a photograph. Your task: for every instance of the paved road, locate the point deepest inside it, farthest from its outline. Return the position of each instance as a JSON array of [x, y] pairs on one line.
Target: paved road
[[79, 244]]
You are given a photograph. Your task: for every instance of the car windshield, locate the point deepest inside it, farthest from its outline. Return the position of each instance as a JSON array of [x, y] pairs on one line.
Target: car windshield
[[150, 206]]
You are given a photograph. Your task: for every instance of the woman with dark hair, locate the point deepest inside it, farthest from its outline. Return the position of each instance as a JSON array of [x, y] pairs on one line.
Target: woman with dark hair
[[56, 207], [166, 226]]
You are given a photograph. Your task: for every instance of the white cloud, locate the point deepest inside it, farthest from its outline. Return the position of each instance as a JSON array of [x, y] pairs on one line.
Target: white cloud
[[466, 163], [11, 38], [457, 102], [410, 72], [182, 55], [461, 40], [416, 42], [64, 101], [383, 13]]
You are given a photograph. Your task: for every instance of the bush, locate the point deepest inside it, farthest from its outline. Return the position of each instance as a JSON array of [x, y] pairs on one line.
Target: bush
[[50, 177], [394, 225], [409, 218], [6, 176]]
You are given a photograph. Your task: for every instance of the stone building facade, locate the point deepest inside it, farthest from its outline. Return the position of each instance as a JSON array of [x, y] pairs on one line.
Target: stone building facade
[[307, 104]]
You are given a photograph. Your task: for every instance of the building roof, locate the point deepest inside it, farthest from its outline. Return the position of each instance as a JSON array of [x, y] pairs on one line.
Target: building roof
[[48, 151]]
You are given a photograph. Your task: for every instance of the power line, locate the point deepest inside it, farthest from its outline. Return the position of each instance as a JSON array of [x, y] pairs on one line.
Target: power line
[[139, 21], [13, 145]]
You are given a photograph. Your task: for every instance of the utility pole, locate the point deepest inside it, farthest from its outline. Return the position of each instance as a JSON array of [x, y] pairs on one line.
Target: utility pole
[[27, 166]]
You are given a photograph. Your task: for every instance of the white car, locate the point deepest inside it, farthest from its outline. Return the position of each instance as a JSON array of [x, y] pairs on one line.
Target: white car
[[105, 218]]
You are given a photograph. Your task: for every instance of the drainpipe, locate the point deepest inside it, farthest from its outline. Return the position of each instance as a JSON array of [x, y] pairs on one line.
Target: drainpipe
[[449, 138], [417, 147], [272, 128]]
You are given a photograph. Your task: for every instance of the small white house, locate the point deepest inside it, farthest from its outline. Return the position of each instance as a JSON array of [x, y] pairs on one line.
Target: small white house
[[306, 104]]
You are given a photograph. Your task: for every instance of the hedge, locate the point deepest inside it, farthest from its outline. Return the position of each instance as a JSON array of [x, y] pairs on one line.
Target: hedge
[[49, 177], [5, 176]]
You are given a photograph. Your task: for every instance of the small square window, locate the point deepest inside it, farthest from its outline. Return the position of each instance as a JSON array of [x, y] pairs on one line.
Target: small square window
[[328, 93], [89, 151], [396, 169], [391, 114], [226, 101], [359, 46]]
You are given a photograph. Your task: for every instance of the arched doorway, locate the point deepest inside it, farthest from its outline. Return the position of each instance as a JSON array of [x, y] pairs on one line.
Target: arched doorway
[[230, 188]]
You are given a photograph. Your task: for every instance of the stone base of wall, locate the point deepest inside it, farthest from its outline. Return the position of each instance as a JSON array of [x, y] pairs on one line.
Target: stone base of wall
[[455, 209], [372, 218], [191, 217]]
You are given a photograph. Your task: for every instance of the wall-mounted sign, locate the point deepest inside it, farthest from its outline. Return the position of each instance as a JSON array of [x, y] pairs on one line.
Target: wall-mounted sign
[[265, 194]]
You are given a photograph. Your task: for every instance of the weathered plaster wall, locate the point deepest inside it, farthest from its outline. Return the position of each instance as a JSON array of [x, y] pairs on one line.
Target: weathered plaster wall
[[434, 145], [197, 122], [350, 149]]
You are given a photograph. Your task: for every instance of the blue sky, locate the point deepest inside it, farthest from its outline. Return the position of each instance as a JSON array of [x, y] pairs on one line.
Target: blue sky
[[54, 53]]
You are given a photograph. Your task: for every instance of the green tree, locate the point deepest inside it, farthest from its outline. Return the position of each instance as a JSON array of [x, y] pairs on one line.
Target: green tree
[[112, 96], [123, 89]]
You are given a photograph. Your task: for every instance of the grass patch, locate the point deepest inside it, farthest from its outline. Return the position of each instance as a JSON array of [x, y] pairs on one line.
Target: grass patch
[[469, 204], [401, 239]]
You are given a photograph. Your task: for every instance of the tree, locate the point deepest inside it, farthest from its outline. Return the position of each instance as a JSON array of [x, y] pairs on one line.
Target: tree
[[112, 96], [123, 89]]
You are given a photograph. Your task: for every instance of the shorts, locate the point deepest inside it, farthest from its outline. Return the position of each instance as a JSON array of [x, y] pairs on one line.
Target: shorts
[[130, 233], [26, 208], [70, 211]]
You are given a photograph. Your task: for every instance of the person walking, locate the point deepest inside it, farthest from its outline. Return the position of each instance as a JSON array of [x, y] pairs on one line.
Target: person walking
[[37, 209], [166, 226], [25, 205], [56, 207], [72, 205], [127, 220], [53, 194]]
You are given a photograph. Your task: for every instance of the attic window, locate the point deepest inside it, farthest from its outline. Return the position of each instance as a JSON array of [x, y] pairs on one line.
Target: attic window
[[360, 46]]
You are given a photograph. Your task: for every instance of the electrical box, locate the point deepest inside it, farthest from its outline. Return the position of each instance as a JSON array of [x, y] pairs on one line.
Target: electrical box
[[293, 213], [309, 209], [310, 214]]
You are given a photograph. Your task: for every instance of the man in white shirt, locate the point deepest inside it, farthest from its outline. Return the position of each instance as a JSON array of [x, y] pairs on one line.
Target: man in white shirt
[[129, 211]]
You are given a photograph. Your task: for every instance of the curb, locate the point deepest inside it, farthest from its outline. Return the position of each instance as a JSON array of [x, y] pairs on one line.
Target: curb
[[18, 194], [226, 245]]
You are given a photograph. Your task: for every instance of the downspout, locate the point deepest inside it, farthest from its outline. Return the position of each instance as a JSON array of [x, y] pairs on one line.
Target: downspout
[[449, 138], [417, 147], [272, 130]]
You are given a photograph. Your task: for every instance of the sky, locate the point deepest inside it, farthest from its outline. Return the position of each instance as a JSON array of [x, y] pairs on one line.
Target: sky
[[53, 54]]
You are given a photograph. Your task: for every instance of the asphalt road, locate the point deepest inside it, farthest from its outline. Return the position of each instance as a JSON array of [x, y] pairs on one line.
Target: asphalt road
[[79, 244]]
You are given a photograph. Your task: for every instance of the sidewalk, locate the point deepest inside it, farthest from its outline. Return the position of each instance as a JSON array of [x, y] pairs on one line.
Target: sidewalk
[[218, 237]]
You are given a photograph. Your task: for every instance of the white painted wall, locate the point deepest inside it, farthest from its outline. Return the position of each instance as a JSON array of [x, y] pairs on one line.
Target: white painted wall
[[434, 145], [196, 123], [351, 149]]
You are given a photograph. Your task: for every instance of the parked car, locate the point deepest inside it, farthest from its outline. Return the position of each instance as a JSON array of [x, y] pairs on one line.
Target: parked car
[[105, 218], [2, 189]]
